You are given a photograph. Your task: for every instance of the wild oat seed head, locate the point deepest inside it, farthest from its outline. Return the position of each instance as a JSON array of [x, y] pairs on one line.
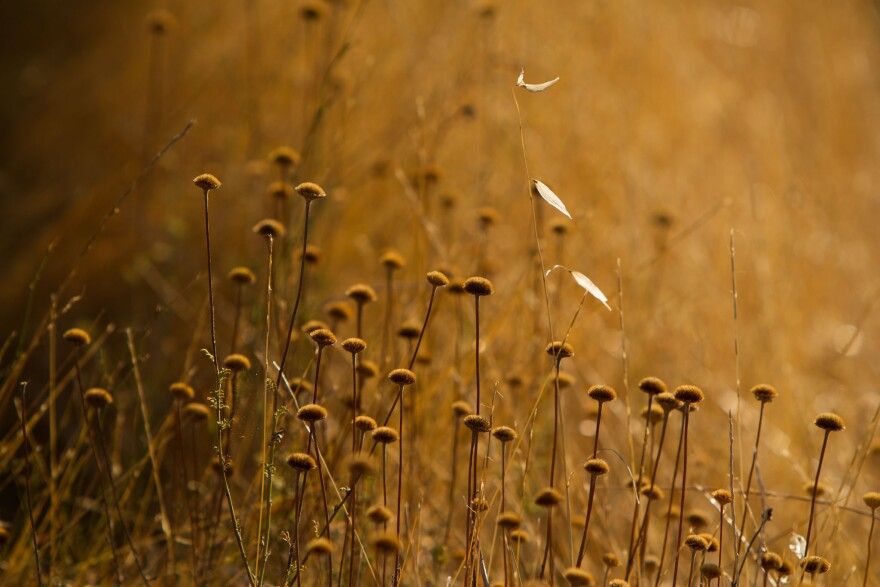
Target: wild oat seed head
[[722, 496], [237, 362], [284, 156], [269, 227], [830, 422], [310, 191], [379, 514], [319, 546], [652, 385], [301, 461], [391, 259], [601, 393], [504, 433], [361, 465], [578, 577], [98, 398], [872, 499], [367, 369], [354, 345], [409, 331], [689, 394], [509, 520], [437, 279], [519, 537], [667, 401], [479, 504], [242, 276], [770, 561], [365, 423], [402, 377], [815, 565], [385, 542], [477, 423], [339, 311], [77, 337], [710, 570], [361, 293], [596, 467], [764, 393], [711, 541], [618, 583], [559, 349], [610, 560], [181, 391], [654, 415], [323, 337], [206, 181], [385, 435], [196, 411], [311, 413], [478, 286], [548, 497], [280, 190], [461, 408], [696, 543]]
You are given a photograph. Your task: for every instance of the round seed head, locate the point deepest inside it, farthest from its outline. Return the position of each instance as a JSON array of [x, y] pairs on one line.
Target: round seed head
[[427, 175], [487, 216], [311, 413], [548, 497], [206, 181], [815, 565], [872, 499], [509, 520], [385, 435], [764, 393], [280, 190], [654, 415], [820, 488], [689, 394], [338, 310], [242, 276], [697, 519], [456, 286], [298, 384], [365, 423], [196, 411], [830, 422], [565, 380], [559, 349], [610, 560], [652, 385], [770, 561], [504, 433], [77, 337], [284, 157], [596, 467], [477, 423], [181, 391], [710, 571], [519, 537], [402, 377], [323, 337], [313, 325], [312, 254], [478, 286], [237, 362], [269, 227], [391, 259], [361, 465], [409, 331], [354, 345], [696, 543], [578, 577], [618, 583], [310, 191], [386, 542], [711, 541], [653, 493], [785, 569], [98, 398], [602, 393], [461, 408], [667, 401], [160, 21], [379, 514], [300, 461], [319, 546], [367, 369], [361, 293], [437, 279], [651, 564], [722, 496]]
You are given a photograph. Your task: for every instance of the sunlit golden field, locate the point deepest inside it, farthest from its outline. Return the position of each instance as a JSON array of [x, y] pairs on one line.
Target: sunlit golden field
[[718, 161]]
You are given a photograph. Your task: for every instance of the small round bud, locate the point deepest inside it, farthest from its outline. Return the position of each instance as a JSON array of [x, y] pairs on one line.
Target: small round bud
[[689, 394], [206, 181], [722, 496], [602, 393], [392, 260], [477, 423], [437, 279], [504, 433], [269, 227], [310, 191], [284, 156], [667, 401], [365, 423], [386, 542], [830, 422], [815, 565], [300, 461], [872, 499], [354, 345], [242, 276], [578, 577], [361, 293], [311, 413], [610, 560], [402, 377], [764, 393], [548, 497], [710, 571], [770, 561], [652, 385], [559, 349], [319, 546], [461, 408], [379, 514], [196, 411], [509, 520], [596, 467], [696, 543], [338, 311], [478, 286], [385, 435], [323, 337]]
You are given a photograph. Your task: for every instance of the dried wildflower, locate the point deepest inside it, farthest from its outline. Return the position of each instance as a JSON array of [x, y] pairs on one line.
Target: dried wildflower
[[181, 391], [379, 514], [98, 398], [196, 411], [242, 276], [596, 467], [385, 435], [310, 191], [504, 433], [354, 345], [548, 497], [559, 349], [237, 362], [77, 337], [269, 227], [311, 413], [652, 385], [437, 279], [830, 422], [478, 286], [477, 423], [391, 259], [207, 182], [301, 461], [602, 393], [361, 293], [689, 394], [323, 337], [364, 423], [764, 393], [578, 577]]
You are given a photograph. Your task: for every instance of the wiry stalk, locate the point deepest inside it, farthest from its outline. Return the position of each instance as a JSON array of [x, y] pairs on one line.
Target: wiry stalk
[[27, 481]]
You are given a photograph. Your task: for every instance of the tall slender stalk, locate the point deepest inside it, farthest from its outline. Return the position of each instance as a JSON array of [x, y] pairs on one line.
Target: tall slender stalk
[[27, 480]]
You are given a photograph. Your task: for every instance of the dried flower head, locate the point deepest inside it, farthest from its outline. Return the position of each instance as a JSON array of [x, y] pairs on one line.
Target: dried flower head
[[379, 514], [242, 276], [301, 461], [298, 384], [409, 331], [872, 499], [722, 496], [815, 565], [319, 546], [654, 415], [181, 391], [519, 537], [361, 465], [651, 564], [770, 561], [711, 541], [338, 310], [652, 385], [479, 504], [312, 254], [160, 21], [280, 190], [196, 411], [696, 543], [618, 583], [596, 467], [311, 413], [610, 560], [710, 571], [364, 423], [98, 398], [478, 286], [402, 377], [477, 423], [237, 362], [651, 492], [504, 433], [830, 422], [548, 497], [310, 191], [559, 349], [601, 393], [284, 156], [367, 369], [689, 394], [77, 337], [323, 337], [487, 216], [697, 519], [206, 181], [578, 577], [385, 435], [456, 286], [667, 401], [392, 260], [786, 569], [509, 520], [764, 393], [385, 542], [269, 227], [354, 345], [461, 408], [437, 279], [361, 293], [564, 380]]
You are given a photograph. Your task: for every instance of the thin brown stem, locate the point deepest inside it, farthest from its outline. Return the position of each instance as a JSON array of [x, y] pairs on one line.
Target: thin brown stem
[[27, 480], [815, 492], [684, 467]]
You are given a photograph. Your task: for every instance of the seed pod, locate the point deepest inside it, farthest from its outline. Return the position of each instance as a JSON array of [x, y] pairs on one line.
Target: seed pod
[[300, 461], [478, 286], [98, 398], [206, 181]]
